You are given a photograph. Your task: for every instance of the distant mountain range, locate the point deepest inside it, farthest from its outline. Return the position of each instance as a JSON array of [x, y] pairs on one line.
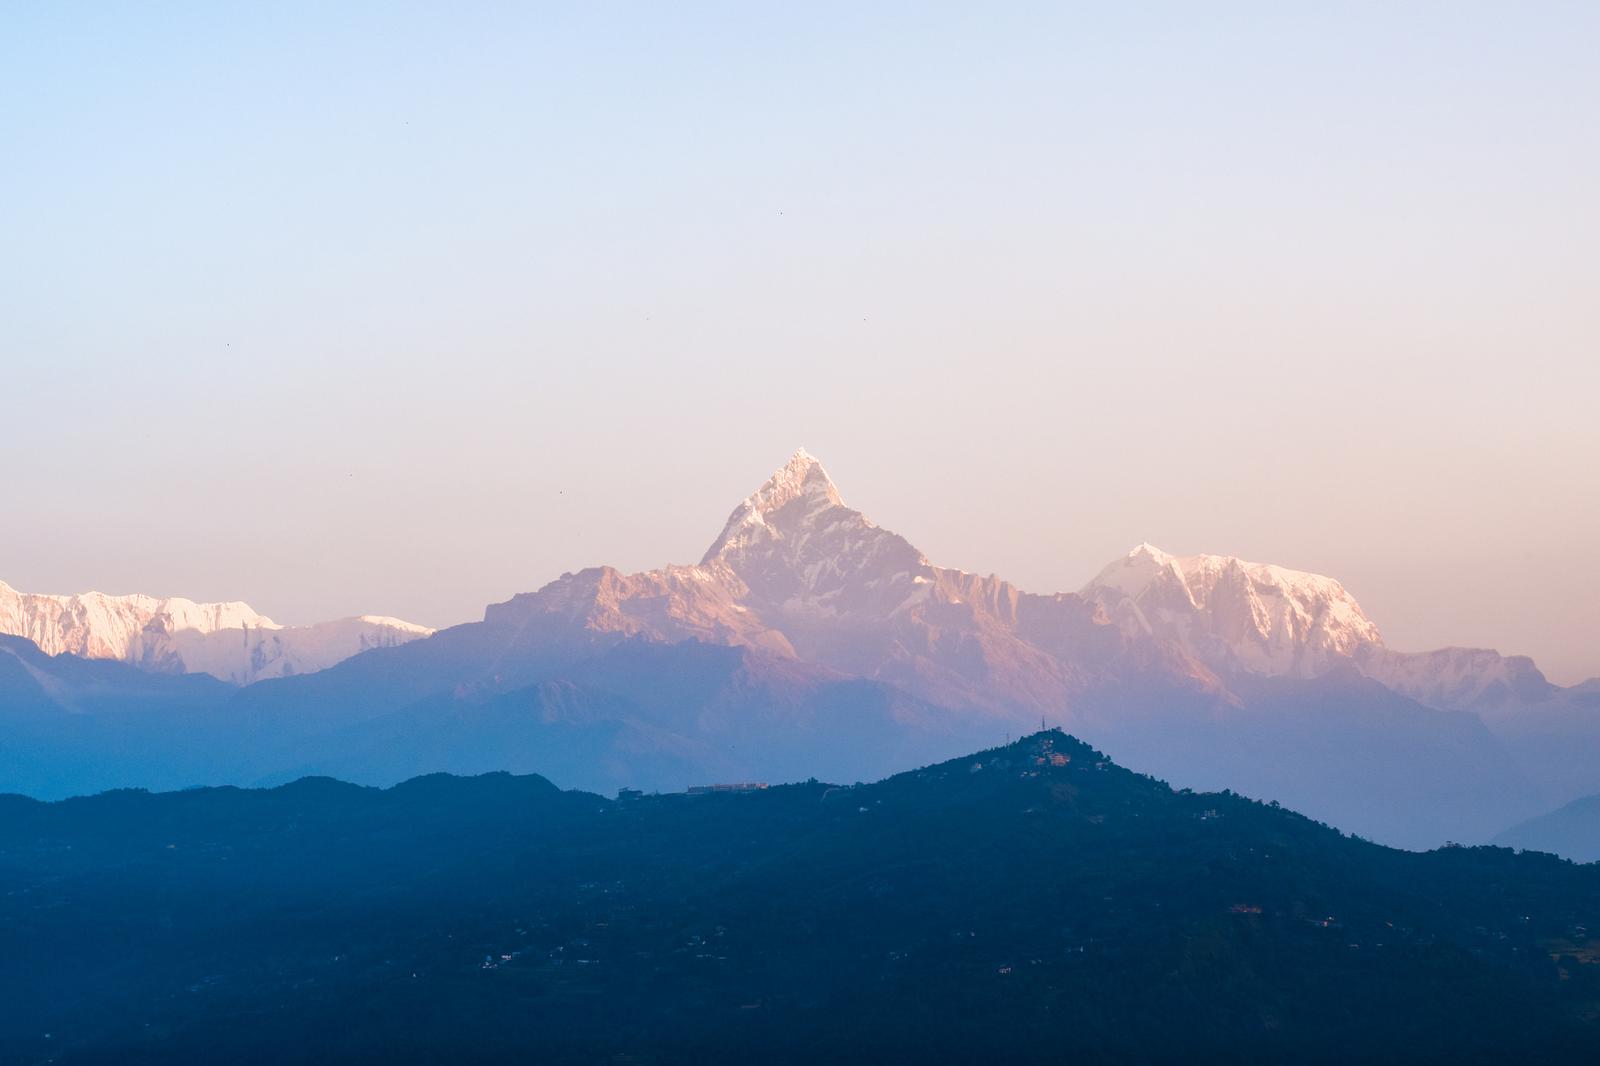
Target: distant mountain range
[[810, 641], [1572, 831], [1027, 903], [229, 641], [797, 572]]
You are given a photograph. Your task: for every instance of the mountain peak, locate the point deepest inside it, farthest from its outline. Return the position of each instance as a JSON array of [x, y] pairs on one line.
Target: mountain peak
[[1134, 572], [1146, 550], [802, 475], [801, 478]]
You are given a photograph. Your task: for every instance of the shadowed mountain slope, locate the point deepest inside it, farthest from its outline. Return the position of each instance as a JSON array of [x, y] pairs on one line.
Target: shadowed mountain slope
[[1572, 832]]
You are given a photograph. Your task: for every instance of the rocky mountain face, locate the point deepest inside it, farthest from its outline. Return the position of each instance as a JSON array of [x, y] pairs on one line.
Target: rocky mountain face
[[229, 641]]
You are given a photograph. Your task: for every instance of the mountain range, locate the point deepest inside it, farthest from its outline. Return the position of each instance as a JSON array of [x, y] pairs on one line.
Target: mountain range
[[229, 641], [809, 640]]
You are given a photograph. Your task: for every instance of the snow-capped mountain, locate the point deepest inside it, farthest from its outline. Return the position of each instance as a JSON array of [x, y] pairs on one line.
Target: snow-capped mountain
[[1471, 679], [229, 641], [1238, 616], [797, 572], [1235, 615]]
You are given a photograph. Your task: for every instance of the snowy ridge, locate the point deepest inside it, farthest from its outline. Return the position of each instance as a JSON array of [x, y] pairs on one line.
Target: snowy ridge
[[230, 641], [801, 478], [1476, 679], [1233, 614], [1261, 619]]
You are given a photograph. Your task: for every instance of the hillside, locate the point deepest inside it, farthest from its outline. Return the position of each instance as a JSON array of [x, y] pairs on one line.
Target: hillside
[[1026, 902], [1572, 831]]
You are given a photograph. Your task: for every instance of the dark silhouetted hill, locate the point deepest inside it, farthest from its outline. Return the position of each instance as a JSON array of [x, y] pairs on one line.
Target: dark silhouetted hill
[[1034, 902]]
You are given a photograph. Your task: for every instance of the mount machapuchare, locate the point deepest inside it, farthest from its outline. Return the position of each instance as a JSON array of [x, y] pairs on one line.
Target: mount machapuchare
[[808, 641]]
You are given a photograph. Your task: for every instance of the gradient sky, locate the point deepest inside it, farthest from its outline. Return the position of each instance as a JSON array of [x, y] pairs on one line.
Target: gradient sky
[[406, 308]]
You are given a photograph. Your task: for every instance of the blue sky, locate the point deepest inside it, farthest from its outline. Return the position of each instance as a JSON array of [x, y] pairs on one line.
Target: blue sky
[[406, 308]]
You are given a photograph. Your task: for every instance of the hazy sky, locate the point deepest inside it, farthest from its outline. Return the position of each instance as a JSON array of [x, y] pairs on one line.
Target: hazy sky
[[396, 308]]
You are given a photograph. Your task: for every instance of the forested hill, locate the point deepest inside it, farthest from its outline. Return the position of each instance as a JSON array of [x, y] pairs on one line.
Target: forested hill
[[1028, 903]]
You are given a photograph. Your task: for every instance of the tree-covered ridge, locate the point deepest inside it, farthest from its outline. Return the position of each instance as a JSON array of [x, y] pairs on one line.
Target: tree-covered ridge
[[1031, 901]]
